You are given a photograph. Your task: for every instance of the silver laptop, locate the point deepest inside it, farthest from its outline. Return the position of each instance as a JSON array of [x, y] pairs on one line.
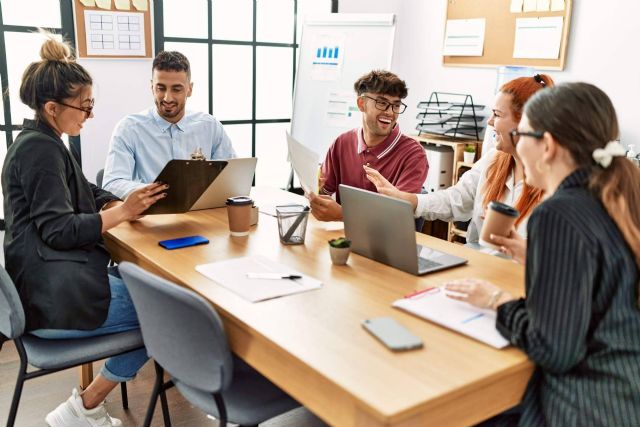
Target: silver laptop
[[383, 228], [234, 180]]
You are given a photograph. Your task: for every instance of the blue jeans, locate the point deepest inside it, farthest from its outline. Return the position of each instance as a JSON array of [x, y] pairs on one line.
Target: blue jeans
[[121, 317]]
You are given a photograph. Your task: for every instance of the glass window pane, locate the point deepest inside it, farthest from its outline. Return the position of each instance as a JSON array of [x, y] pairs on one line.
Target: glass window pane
[[22, 49], [196, 53], [3, 153], [240, 136], [310, 8], [1, 106], [185, 18], [274, 82], [271, 149], [31, 13], [275, 21], [232, 82], [232, 19]]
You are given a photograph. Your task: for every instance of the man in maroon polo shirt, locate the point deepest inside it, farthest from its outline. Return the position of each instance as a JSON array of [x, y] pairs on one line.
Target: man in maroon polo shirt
[[378, 144]]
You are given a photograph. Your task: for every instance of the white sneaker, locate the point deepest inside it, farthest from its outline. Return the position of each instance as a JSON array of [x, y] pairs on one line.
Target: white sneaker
[[72, 413]]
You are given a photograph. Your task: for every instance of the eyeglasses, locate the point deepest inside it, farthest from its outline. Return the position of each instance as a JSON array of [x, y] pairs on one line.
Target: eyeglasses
[[516, 133], [87, 110], [383, 105]]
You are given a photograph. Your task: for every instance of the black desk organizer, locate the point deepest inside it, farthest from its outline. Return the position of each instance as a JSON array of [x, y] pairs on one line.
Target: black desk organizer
[[450, 114]]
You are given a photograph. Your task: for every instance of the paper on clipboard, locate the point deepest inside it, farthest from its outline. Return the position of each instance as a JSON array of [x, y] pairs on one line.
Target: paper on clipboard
[[460, 316], [305, 163]]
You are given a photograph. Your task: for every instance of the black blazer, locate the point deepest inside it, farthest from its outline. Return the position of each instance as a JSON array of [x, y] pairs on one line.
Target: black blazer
[[53, 246]]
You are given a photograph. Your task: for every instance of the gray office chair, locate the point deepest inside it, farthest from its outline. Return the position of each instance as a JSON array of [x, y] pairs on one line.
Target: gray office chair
[[51, 356], [185, 336]]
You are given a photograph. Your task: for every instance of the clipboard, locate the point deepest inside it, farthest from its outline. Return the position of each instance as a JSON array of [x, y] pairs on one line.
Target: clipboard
[[187, 180]]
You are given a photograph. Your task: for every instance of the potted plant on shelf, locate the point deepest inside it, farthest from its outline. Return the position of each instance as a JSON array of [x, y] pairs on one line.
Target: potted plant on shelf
[[469, 154], [339, 249]]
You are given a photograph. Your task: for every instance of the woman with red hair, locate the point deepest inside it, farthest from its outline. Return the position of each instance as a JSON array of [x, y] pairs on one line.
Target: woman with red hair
[[498, 175]]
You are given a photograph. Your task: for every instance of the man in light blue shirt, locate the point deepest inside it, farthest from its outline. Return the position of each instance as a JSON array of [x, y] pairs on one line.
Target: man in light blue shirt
[[143, 143]]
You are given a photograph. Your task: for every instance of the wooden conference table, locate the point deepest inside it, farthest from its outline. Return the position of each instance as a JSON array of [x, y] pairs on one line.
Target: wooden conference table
[[312, 344]]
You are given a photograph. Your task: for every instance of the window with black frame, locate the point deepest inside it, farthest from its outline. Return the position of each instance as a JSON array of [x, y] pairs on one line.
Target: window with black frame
[[20, 44], [243, 55]]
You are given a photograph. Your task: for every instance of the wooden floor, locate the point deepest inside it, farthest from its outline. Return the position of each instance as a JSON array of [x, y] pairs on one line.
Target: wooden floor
[[43, 394]]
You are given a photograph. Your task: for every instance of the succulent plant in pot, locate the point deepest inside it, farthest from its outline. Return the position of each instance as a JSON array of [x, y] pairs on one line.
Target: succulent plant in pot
[[469, 153], [339, 249]]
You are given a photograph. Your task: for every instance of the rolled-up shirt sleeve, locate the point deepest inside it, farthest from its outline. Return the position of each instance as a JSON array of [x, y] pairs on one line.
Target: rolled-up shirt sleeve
[[120, 164]]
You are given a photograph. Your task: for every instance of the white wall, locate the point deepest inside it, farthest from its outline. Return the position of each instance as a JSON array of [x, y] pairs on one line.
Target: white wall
[[120, 87], [602, 50]]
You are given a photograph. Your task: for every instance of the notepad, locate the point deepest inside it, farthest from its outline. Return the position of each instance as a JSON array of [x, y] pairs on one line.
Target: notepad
[[232, 274], [460, 316]]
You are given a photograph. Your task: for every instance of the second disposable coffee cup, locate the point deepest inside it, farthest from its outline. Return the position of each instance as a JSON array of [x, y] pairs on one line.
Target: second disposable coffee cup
[[499, 219], [239, 212]]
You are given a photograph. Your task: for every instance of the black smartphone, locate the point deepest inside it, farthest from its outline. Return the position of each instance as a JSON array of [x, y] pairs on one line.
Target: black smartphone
[[183, 242], [392, 334]]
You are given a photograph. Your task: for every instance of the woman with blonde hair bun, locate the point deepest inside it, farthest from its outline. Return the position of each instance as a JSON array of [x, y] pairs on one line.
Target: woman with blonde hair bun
[[54, 250]]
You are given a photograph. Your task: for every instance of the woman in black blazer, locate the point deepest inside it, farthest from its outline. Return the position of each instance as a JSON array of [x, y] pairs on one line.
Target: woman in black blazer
[[580, 321], [55, 218]]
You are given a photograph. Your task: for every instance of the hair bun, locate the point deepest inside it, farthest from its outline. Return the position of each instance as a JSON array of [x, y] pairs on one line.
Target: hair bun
[[55, 50]]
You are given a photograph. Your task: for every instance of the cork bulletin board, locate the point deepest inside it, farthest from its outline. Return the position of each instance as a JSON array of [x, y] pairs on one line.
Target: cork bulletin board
[[500, 30], [113, 29]]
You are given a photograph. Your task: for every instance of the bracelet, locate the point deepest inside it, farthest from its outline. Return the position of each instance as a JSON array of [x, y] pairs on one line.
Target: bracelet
[[494, 298]]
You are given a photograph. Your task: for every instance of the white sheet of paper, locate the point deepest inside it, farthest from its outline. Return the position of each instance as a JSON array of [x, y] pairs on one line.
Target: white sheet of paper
[[557, 5], [543, 5], [460, 316], [141, 5], [305, 164], [538, 37], [342, 109], [114, 33], [516, 6], [530, 5], [327, 57], [464, 37], [232, 274], [104, 4]]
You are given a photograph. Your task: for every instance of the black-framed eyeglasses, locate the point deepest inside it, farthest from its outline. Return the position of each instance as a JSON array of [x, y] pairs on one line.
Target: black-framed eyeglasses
[[383, 105], [87, 110], [516, 133]]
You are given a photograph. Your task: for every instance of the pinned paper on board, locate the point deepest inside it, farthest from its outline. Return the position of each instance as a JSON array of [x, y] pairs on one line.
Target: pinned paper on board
[[557, 5], [141, 5], [543, 5], [88, 3], [114, 33], [516, 6], [530, 5], [104, 4], [327, 57], [122, 4], [538, 38], [342, 110], [464, 37]]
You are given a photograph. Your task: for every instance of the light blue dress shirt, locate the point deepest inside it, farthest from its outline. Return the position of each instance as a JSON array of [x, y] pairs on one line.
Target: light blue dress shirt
[[143, 143]]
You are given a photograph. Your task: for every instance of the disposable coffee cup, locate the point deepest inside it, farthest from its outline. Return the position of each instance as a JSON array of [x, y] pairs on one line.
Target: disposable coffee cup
[[239, 212], [499, 219]]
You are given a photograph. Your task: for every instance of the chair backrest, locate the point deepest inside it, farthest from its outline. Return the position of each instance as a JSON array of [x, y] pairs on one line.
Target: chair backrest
[[12, 320], [99, 178], [181, 330]]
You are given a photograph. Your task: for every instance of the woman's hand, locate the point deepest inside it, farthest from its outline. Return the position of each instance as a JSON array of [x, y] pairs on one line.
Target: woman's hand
[[477, 292], [383, 186], [133, 206], [513, 245]]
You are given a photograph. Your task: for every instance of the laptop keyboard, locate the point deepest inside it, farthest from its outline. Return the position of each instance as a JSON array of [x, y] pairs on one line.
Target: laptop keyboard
[[426, 264]]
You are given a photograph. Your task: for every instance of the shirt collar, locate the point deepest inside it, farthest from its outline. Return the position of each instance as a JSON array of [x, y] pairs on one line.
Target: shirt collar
[[577, 178], [384, 147], [164, 125]]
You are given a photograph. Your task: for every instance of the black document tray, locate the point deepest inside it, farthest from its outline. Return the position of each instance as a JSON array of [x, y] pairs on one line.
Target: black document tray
[[187, 180]]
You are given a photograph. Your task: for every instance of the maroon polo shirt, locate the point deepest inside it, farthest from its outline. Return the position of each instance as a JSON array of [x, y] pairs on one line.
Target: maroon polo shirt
[[398, 158]]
